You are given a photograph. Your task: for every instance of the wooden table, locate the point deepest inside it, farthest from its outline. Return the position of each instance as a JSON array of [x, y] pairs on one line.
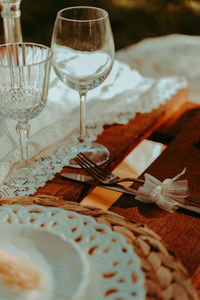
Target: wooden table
[[177, 123]]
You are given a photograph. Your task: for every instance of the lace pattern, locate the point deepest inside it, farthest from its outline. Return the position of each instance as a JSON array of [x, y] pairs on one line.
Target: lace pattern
[[168, 55], [123, 94]]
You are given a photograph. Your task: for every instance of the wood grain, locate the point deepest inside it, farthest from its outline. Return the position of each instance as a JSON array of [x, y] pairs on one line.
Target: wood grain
[[180, 230]]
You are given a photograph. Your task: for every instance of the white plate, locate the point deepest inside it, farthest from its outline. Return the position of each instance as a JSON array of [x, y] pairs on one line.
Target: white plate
[[54, 256], [115, 271]]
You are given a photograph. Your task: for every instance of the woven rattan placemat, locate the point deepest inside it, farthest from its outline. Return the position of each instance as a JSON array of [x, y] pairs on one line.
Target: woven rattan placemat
[[165, 276]]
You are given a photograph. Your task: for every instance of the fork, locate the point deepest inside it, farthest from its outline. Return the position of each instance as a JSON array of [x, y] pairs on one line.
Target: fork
[[98, 173], [108, 178]]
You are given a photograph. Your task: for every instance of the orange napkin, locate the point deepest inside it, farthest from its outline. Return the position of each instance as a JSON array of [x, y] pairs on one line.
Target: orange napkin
[[132, 166]]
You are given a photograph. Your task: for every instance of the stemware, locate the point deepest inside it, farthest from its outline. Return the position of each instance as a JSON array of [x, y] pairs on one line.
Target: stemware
[[83, 47], [24, 80]]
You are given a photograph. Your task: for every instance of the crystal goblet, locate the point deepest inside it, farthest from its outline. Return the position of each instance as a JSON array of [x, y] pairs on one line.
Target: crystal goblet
[[24, 81]]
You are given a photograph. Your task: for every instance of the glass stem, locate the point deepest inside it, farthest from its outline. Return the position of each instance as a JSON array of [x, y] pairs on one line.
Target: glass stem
[[23, 129], [12, 30], [11, 14], [83, 131]]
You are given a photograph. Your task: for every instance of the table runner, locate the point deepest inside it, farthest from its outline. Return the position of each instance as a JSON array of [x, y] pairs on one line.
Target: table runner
[[165, 276], [123, 94]]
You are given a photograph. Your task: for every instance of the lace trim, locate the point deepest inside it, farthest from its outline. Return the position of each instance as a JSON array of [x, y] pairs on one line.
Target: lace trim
[[50, 146]]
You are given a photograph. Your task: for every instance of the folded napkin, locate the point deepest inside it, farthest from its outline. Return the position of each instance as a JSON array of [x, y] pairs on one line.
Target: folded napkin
[[123, 94]]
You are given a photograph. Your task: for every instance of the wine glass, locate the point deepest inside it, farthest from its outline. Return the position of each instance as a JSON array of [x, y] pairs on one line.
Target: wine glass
[[24, 80], [83, 48]]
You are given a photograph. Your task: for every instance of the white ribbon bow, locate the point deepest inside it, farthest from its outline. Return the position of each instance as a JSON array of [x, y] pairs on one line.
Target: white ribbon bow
[[167, 194]]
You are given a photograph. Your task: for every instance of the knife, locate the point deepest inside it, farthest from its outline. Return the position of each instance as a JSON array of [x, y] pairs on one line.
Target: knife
[[119, 188], [90, 180]]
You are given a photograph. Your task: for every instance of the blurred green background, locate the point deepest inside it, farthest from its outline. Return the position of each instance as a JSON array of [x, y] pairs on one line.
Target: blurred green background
[[131, 20]]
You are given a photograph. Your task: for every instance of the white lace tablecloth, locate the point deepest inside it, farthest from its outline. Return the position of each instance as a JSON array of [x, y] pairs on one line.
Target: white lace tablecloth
[[124, 93], [169, 55]]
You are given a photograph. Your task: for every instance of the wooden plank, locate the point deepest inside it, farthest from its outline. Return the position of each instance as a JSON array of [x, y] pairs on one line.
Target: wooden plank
[[180, 230], [120, 140], [170, 129]]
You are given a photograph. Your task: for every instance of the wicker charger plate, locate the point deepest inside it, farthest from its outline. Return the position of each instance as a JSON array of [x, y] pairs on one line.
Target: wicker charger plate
[[165, 276]]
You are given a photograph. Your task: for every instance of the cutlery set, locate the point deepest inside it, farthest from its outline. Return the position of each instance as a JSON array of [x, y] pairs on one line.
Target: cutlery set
[[99, 177], [90, 180]]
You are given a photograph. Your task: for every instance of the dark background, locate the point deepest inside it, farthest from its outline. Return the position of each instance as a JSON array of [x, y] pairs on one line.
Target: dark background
[[131, 20]]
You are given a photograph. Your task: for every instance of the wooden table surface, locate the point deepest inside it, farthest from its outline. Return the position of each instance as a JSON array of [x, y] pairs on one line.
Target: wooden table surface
[[180, 230], [177, 125]]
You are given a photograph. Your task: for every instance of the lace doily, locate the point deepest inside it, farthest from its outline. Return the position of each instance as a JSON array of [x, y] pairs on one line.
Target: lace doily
[[123, 94], [115, 268]]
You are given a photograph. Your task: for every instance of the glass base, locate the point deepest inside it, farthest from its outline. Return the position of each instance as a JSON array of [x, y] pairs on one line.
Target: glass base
[[94, 151], [19, 171]]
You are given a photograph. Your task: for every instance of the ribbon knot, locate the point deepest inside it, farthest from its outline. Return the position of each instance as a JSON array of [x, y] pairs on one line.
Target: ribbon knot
[[167, 194]]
